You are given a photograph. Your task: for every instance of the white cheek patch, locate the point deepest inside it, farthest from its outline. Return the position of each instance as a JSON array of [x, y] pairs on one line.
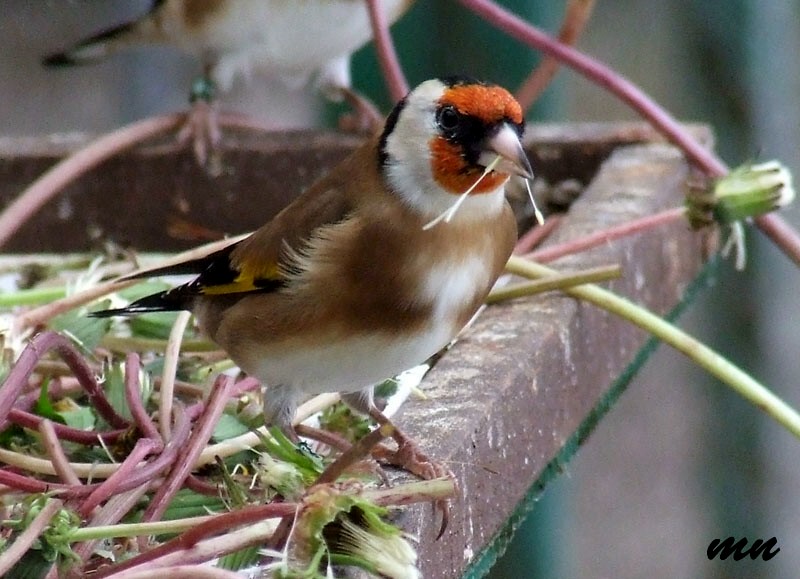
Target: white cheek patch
[[451, 286]]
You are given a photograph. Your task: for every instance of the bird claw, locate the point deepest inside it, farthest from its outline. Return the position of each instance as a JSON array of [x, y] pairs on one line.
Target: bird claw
[[201, 130], [410, 457]]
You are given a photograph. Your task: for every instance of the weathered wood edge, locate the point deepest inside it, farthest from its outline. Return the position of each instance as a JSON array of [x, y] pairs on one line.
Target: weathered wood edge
[[151, 196]]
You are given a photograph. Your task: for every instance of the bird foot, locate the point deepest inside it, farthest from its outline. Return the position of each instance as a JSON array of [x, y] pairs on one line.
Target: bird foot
[[411, 458], [201, 128]]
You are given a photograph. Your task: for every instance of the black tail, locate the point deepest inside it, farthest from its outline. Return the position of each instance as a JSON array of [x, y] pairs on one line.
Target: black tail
[[166, 301], [88, 50]]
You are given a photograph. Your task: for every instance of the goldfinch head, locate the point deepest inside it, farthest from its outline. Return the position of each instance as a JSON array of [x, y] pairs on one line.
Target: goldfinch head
[[451, 136]]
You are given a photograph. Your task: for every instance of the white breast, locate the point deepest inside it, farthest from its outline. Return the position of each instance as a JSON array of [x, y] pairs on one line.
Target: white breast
[[451, 285], [354, 363]]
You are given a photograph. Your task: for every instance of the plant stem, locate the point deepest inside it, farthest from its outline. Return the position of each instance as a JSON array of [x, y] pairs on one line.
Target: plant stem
[[58, 457], [137, 344], [702, 355], [133, 396], [138, 529], [387, 56], [410, 493], [40, 345], [536, 235], [29, 297], [577, 15], [773, 225], [179, 572], [605, 236], [168, 375], [252, 439], [212, 538], [190, 451], [559, 281], [143, 448], [107, 515]]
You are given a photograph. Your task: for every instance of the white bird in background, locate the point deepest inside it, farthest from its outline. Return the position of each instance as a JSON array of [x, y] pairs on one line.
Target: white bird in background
[[296, 40]]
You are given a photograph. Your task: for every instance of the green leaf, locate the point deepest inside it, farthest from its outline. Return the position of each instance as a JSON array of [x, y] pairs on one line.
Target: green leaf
[[10, 434], [188, 503], [229, 427], [339, 418], [114, 387], [33, 565], [235, 494], [86, 332], [239, 559], [143, 289], [281, 448], [44, 407], [386, 389], [153, 325], [81, 417]]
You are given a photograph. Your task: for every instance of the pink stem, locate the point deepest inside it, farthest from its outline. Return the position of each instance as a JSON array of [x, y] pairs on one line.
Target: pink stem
[[215, 526], [57, 455], [140, 476], [242, 386], [143, 448], [535, 235], [134, 398], [151, 470], [26, 484], [577, 15], [40, 345], [182, 572], [604, 236], [86, 437], [602, 75], [774, 226], [191, 450], [201, 487], [387, 55], [111, 513], [781, 233]]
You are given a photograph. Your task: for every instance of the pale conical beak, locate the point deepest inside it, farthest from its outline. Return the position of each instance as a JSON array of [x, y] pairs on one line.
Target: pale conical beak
[[513, 160]]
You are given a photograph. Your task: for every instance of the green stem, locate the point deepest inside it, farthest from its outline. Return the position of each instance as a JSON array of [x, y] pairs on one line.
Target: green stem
[[30, 297], [137, 344], [401, 494], [559, 281], [701, 354], [137, 529]]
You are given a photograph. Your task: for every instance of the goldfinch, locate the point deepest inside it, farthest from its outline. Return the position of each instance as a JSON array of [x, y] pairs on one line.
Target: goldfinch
[[378, 265], [295, 39]]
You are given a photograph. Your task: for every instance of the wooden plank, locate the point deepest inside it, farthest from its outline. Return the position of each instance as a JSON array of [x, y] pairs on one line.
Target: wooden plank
[[137, 198]]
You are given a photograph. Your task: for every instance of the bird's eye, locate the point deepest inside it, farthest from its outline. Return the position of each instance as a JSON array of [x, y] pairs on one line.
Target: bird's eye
[[448, 118]]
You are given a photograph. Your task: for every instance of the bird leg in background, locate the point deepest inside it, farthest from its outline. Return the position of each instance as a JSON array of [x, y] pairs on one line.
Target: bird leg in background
[[364, 116], [202, 124]]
